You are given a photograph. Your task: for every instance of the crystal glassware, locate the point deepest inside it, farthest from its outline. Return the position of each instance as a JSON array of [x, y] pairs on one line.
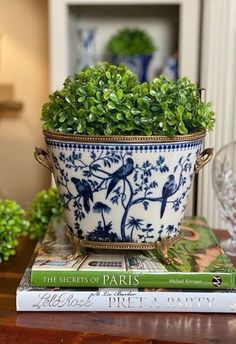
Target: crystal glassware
[[224, 184]]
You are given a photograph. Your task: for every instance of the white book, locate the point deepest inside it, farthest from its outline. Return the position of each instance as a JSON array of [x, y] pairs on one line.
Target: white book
[[30, 298]]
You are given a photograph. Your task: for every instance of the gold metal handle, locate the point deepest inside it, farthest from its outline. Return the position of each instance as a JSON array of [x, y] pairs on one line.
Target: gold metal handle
[[42, 157], [204, 157]]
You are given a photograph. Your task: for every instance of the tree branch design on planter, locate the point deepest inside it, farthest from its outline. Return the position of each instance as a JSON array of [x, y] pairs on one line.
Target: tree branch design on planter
[[112, 176]]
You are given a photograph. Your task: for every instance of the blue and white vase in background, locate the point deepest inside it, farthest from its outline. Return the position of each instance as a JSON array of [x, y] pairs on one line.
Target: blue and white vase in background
[[137, 63], [123, 189], [86, 48], [170, 69]]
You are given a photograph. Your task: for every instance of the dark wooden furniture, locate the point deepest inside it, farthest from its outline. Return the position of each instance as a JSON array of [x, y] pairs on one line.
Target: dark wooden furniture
[[96, 327]]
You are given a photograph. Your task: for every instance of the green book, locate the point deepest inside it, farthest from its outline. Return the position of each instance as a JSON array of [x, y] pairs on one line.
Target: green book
[[198, 262]]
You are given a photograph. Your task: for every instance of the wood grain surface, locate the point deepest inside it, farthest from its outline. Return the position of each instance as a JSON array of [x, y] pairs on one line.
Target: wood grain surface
[[97, 327]]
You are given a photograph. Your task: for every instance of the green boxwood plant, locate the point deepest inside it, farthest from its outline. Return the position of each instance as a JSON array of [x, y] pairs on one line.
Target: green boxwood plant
[[108, 100], [130, 42], [12, 225], [168, 107], [45, 207], [15, 221]]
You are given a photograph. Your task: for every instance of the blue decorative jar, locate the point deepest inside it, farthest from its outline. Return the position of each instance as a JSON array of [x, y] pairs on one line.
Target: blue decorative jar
[[86, 47], [123, 191], [137, 63]]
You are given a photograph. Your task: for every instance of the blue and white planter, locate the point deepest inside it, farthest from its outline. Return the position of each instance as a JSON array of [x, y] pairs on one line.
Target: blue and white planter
[[118, 189]]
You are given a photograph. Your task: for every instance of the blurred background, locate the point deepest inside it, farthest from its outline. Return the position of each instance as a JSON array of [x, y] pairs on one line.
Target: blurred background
[[41, 42]]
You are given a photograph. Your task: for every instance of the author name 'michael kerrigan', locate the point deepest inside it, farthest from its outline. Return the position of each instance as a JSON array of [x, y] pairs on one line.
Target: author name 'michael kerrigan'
[[183, 281]]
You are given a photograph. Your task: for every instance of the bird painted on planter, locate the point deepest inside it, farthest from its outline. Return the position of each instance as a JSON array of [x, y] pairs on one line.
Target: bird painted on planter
[[84, 191], [120, 174], [168, 190]]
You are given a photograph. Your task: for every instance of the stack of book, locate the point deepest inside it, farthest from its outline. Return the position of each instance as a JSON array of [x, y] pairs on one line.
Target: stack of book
[[200, 278]]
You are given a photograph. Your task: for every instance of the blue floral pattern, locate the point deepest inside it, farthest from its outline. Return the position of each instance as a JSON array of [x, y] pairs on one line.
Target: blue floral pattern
[[128, 193]]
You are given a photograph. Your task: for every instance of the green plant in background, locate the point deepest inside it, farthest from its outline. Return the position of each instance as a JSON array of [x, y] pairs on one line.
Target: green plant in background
[[12, 225], [128, 42], [45, 206], [15, 222], [108, 100]]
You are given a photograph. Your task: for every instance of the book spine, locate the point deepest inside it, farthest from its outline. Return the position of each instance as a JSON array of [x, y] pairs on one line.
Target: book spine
[[132, 280], [126, 301]]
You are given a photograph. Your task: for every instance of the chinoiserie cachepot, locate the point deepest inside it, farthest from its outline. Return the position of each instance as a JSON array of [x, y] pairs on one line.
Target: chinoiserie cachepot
[[123, 189]]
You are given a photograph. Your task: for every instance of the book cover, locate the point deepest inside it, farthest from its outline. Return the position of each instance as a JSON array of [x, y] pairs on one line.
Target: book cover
[[40, 299], [198, 262]]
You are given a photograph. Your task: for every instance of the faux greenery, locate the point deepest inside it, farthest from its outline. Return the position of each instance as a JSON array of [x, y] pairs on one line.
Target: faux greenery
[[14, 221], [128, 42], [168, 107], [98, 100], [108, 100], [45, 206], [12, 225]]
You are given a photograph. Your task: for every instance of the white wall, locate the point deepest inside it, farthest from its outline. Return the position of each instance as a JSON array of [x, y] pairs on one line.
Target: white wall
[[24, 64], [218, 76]]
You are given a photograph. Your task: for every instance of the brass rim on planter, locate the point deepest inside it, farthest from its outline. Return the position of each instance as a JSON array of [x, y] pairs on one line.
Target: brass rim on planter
[[42, 156], [119, 138]]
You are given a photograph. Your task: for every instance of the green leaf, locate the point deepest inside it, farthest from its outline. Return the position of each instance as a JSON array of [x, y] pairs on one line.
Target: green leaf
[[94, 109], [119, 94], [99, 95], [111, 105], [81, 127], [92, 117], [113, 97], [100, 108], [153, 93], [62, 118], [120, 116], [106, 94], [81, 99], [108, 75], [182, 129], [180, 110]]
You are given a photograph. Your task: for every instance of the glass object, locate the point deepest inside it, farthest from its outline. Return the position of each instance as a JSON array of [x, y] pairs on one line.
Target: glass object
[[224, 183], [86, 48]]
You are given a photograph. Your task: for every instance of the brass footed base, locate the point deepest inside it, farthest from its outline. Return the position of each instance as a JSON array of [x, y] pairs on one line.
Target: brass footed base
[[79, 245]]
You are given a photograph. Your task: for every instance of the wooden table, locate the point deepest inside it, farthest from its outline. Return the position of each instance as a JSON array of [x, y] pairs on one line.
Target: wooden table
[[71, 328]]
